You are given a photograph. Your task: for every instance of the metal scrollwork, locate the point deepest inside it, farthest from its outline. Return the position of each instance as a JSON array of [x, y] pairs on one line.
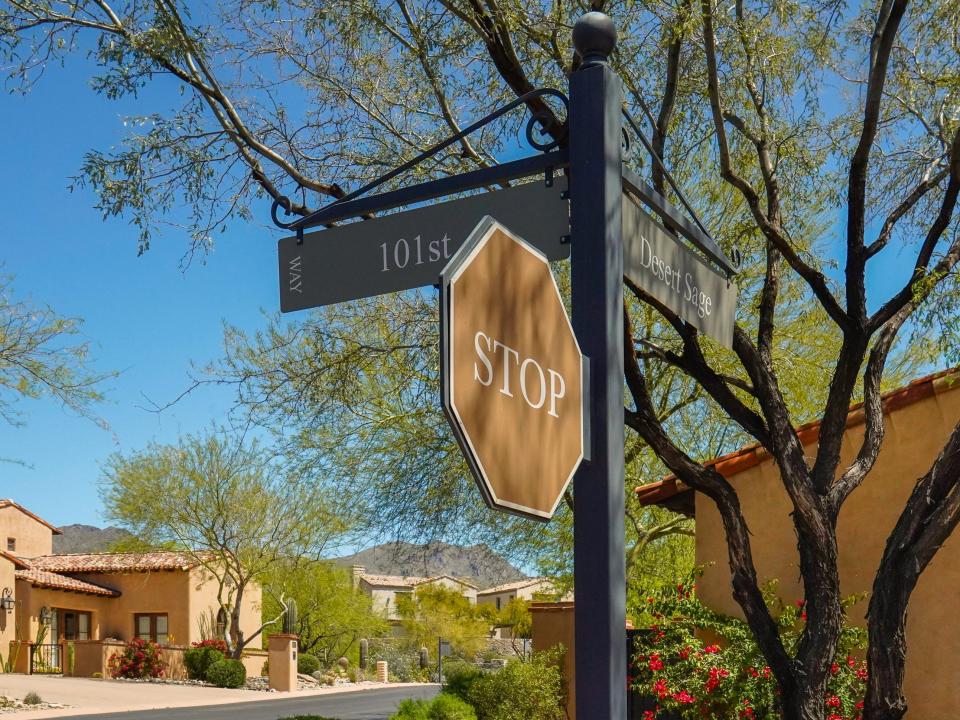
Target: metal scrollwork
[[540, 121]]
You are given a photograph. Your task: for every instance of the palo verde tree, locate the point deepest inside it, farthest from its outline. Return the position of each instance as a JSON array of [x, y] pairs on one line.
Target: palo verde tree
[[42, 355], [228, 504], [819, 138]]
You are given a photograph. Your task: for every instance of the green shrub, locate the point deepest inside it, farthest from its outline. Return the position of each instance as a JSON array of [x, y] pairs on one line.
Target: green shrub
[[307, 664], [531, 690], [198, 660], [227, 674], [459, 678], [450, 707], [31, 698], [412, 710]]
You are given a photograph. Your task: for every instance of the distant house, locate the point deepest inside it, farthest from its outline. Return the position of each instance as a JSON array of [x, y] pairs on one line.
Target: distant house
[[527, 589], [91, 597], [385, 589]]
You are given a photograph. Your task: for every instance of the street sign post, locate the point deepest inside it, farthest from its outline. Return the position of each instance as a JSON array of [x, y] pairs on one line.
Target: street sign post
[[513, 374], [657, 263], [511, 371], [596, 271], [409, 249]]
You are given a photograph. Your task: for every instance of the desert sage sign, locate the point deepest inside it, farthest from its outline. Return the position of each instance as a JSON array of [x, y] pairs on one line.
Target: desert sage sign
[[512, 371], [659, 264], [407, 250]]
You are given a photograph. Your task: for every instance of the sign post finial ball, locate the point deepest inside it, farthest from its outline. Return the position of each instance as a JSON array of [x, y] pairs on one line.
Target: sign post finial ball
[[594, 37]]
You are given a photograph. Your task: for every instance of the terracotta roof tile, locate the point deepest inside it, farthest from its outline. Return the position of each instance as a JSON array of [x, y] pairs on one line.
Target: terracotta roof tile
[[407, 580], [515, 585], [116, 562], [747, 457], [4, 503], [42, 578], [17, 561]]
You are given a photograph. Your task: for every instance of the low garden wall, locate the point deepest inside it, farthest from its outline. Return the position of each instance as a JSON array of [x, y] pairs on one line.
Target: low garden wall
[[91, 658]]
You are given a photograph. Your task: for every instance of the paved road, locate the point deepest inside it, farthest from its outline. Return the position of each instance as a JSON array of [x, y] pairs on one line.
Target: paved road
[[366, 705]]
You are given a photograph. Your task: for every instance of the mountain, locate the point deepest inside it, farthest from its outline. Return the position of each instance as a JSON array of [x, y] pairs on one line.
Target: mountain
[[477, 563], [87, 538]]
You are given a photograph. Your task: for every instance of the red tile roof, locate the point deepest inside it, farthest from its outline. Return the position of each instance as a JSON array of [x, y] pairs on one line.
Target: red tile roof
[[42, 578], [407, 580], [750, 456], [515, 585], [10, 503], [116, 562]]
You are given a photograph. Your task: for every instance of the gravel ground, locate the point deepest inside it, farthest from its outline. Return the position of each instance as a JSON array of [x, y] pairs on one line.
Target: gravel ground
[[12, 705]]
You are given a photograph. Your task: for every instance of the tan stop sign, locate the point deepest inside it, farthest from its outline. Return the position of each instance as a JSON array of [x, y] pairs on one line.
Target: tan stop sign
[[512, 371]]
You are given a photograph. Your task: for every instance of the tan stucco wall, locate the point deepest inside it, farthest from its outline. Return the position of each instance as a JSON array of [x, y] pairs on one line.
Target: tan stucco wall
[[914, 436], [553, 624], [7, 620], [183, 596], [203, 598], [33, 538], [491, 599]]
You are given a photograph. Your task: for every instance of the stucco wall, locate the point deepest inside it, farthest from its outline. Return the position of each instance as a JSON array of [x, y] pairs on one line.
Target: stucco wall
[[33, 538], [183, 596], [553, 624], [203, 599], [7, 620], [914, 436]]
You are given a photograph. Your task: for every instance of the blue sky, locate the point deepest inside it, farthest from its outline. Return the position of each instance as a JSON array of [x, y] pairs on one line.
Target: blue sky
[[144, 316]]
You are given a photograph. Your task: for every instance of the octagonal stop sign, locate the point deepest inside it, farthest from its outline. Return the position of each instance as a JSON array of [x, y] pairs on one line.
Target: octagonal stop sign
[[512, 371]]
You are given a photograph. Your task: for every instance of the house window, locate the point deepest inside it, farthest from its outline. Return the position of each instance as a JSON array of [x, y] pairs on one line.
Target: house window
[[76, 625], [498, 603], [152, 626], [11, 544]]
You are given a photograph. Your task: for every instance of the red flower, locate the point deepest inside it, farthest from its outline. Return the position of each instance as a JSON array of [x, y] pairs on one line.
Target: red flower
[[684, 697], [851, 661], [684, 653], [649, 715], [859, 705], [862, 674], [712, 649], [834, 669], [655, 663], [833, 701], [661, 689]]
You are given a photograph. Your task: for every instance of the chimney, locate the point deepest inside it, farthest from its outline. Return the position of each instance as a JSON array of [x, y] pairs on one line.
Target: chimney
[[357, 571]]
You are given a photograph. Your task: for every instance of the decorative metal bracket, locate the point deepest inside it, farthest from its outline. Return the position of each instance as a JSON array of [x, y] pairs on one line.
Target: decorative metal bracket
[[698, 233], [322, 215]]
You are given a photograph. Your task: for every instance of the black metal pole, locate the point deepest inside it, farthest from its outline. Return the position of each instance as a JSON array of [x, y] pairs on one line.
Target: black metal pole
[[597, 288]]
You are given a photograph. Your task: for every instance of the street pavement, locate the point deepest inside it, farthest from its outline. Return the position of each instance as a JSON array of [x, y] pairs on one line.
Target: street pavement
[[92, 699], [376, 704]]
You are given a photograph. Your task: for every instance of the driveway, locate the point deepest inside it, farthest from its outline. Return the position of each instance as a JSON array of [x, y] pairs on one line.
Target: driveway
[[96, 699]]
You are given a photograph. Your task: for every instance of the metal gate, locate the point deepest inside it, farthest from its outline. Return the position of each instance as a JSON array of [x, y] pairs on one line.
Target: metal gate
[[45, 659]]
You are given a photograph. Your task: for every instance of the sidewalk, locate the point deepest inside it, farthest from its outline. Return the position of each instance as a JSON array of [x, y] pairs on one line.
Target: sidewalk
[[87, 696]]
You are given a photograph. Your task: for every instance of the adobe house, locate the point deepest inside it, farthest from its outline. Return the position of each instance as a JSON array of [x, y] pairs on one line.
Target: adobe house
[[92, 599], [383, 590], [919, 419], [527, 589]]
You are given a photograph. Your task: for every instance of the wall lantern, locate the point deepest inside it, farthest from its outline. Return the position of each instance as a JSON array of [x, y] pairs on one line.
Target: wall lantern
[[6, 600], [46, 617]]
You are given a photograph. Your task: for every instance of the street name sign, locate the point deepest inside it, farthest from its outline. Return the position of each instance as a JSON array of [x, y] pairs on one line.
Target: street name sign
[[407, 250], [512, 371], [656, 262]]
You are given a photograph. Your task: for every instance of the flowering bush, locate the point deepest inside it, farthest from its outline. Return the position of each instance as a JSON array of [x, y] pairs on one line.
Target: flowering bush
[[730, 680], [139, 659], [220, 645]]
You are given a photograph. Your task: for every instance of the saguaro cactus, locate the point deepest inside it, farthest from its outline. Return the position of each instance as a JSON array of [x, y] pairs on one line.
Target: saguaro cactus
[[290, 618], [364, 653]]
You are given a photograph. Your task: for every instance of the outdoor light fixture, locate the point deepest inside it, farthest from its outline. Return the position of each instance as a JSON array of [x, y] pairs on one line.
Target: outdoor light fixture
[[6, 600], [45, 615]]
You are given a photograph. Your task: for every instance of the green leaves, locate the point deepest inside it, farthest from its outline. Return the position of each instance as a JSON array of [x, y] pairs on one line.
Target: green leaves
[[43, 355]]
